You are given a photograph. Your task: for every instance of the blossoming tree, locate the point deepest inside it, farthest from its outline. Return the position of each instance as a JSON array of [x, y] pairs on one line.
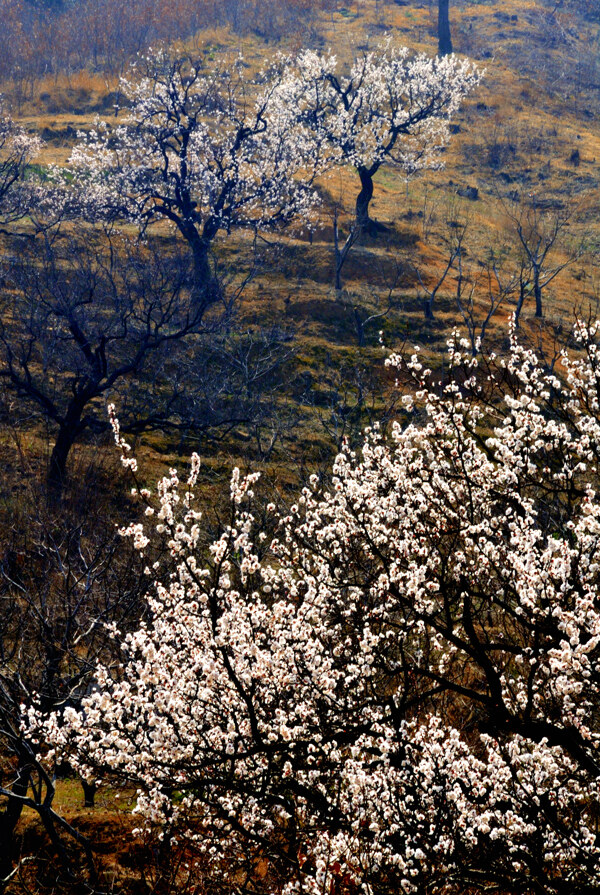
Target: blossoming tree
[[204, 149], [389, 107], [210, 150], [400, 690], [17, 149]]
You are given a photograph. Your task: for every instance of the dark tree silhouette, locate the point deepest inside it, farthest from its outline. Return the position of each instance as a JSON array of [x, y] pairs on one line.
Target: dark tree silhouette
[[444, 37]]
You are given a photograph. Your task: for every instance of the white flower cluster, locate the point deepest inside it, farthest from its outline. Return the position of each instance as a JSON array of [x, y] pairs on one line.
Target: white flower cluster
[[401, 689]]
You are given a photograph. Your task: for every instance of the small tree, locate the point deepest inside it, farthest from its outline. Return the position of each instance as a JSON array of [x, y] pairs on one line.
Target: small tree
[[206, 150], [400, 691], [388, 108], [454, 250], [481, 285], [539, 226]]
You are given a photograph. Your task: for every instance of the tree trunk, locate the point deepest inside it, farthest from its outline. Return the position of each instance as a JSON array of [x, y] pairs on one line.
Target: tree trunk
[[336, 253], [338, 271], [70, 428], [520, 302], [57, 472], [339, 255], [364, 223], [342, 253], [537, 291], [205, 288], [89, 793], [364, 198], [360, 329], [444, 38], [203, 278], [8, 822]]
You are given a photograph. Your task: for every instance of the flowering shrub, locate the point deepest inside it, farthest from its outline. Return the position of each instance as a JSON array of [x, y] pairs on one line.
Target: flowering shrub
[[399, 691]]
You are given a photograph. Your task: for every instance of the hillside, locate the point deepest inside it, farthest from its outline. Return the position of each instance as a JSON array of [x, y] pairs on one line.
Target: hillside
[[296, 367]]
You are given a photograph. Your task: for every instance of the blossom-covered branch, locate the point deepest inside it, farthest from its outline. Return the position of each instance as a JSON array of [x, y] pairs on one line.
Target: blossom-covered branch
[[400, 691], [17, 149]]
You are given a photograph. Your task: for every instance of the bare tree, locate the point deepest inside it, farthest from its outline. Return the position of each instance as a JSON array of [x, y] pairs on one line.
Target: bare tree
[[480, 293], [482, 284], [87, 322], [539, 226], [63, 582], [454, 248], [76, 326]]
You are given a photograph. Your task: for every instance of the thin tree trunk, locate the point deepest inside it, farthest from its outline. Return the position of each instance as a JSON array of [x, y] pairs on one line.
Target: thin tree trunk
[[360, 329], [444, 38], [520, 302], [338, 255], [537, 289], [342, 253], [8, 822]]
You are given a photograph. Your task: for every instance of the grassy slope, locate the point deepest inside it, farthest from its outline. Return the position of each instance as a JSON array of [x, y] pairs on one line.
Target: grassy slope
[[523, 125]]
